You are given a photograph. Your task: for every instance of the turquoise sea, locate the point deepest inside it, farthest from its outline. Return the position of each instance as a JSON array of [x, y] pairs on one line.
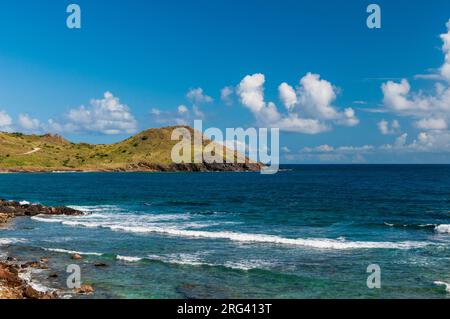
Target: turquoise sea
[[306, 232]]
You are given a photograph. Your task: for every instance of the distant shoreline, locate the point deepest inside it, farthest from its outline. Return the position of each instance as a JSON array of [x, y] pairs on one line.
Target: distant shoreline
[[148, 168]]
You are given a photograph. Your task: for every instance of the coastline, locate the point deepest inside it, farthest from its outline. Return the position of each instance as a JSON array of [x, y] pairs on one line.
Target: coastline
[[146, 168], [15, 281], [16, 276]]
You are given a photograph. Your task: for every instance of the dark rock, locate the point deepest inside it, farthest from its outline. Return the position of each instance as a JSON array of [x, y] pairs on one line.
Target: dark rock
[[101, 265], [12, 209]]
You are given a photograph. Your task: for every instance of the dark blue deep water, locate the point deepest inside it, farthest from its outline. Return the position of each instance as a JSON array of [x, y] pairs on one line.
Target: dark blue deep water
[[306, 232]]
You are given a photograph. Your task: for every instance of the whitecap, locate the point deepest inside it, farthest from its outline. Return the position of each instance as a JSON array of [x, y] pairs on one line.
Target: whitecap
[[128, 258], [181, 225], [27, 276], [443, 229], [11, 241], [441, 283], [72, 252]]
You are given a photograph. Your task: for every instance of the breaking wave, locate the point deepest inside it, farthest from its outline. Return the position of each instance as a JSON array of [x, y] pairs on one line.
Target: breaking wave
[[443, 229], [176, 225], [72, 252]]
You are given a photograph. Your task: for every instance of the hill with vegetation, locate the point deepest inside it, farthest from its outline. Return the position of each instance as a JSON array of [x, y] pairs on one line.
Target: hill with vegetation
[[148, 151]]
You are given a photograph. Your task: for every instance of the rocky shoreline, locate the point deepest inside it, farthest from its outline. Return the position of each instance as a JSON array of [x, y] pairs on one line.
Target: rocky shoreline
[[143, 167], [13, 281]]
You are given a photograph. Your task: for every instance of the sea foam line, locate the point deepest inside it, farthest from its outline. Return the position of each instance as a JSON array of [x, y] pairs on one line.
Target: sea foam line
[[10, 241], [72, 252], [318, 243]]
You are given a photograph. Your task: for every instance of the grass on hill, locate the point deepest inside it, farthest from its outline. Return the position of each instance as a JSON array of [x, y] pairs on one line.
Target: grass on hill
[[52, 152]]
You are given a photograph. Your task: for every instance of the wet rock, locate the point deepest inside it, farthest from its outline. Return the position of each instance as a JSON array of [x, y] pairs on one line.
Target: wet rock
[[11, 209], [4, 218], [53, 276], [31, 293], [100, 265], [85, 289], [12, 286], [34, 264], [31, 264], [76, 257]]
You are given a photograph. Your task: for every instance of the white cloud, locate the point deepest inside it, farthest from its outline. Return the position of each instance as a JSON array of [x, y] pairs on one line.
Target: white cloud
[[287, 95], [226, 95], [313, 99], [341, 149], [197, 96], [445, 68], [182, 109], [197, 112], [251, 92], [105, 116], [5, 122], [155, 111], [316, 96], [431, 124], [285, 149], [28, 123], [431, 110], [387, 128]]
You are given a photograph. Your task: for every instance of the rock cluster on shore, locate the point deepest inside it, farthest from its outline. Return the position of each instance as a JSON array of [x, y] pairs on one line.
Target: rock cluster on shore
[[12, 286], [12, 209]]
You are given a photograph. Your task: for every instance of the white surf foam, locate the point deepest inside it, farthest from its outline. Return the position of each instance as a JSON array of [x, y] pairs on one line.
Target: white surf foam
[[27, 276], [128, 258], [441, 283], [181, 259], [443, 229], [196, 260], [181, 225], [72, 252], [10, 241], [322, 243], [248, 264]]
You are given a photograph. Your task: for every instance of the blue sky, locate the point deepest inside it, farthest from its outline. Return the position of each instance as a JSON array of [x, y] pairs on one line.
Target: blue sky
[[142, 58]]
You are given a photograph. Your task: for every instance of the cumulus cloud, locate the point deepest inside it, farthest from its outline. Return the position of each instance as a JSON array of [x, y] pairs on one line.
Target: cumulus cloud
[[287, 95], [309, 108], [28, 123], [445, 68], [226, 95], [430, 110], [182, 109], [387, 128], [106, 116], [197, 96], [431, 124], [5, 122], [183, 115]]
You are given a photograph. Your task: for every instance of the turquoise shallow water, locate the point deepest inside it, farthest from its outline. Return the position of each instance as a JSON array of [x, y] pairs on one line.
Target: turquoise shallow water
[[306, 232]]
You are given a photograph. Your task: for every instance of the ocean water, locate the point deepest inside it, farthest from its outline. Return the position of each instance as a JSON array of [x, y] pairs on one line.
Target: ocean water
[[306, 232]]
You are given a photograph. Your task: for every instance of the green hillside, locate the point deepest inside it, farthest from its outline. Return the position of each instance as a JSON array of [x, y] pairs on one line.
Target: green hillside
[[149, 150]]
